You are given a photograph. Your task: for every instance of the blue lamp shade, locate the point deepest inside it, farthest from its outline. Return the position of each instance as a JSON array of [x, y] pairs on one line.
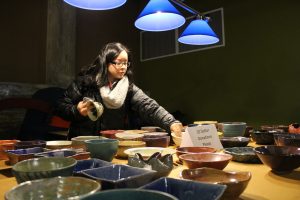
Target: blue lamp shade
[[159, 15], [198, 32], [96, 4]]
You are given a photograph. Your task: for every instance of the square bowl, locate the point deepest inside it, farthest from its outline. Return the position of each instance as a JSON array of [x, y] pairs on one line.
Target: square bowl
[[22, 154], [120, 176], [69, 153], [186, 189], [89, 164]]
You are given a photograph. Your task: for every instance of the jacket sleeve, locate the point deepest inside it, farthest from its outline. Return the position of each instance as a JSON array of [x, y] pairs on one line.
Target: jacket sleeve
[[149, 110], [66, 106]]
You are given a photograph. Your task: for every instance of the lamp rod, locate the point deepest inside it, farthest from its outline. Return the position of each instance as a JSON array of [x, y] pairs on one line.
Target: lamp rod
[[186, 7]]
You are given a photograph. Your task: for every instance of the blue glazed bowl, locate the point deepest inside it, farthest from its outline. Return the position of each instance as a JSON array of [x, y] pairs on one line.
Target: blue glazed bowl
[[38, 168], [234, 141], [130, 194], [54, 188], [120, 176], [185, 189], [30, 144], [104, 149], [89, 164]]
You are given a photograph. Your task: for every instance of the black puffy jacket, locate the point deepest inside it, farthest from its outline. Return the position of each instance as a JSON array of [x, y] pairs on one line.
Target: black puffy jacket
[[137, 107]]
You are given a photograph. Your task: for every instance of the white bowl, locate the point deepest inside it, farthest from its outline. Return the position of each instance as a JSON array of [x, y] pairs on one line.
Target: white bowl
[[59, 144], [146, 152], [176, 139]]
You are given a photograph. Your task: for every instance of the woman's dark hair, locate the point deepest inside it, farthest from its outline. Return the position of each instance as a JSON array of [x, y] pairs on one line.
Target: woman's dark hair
[[96, 73]]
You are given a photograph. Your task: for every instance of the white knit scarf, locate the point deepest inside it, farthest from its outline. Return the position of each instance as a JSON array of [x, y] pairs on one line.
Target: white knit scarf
[[115, 98]]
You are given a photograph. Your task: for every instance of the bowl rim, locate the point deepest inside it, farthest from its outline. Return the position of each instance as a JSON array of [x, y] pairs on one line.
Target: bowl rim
[[187, 152], [224, 155], [36, 181], [72, 161]]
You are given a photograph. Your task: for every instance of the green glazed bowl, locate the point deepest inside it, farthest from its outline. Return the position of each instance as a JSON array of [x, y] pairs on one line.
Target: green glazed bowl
[[104, 149]]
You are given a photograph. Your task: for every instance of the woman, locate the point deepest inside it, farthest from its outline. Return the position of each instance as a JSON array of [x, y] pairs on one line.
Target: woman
[[109, 82]]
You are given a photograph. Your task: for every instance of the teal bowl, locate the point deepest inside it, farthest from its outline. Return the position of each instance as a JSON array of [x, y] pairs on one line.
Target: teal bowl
[[38, 168], [130, 194], [54, 188], [104, 149]]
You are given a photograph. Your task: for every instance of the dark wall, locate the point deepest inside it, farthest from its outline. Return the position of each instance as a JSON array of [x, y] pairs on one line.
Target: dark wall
[[23, 41], [254, 78]]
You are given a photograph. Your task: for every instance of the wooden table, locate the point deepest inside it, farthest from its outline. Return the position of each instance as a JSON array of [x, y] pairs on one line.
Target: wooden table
[[264, 184]]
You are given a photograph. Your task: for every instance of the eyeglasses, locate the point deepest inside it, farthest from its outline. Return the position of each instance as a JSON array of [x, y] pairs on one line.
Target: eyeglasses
[[118, 65]]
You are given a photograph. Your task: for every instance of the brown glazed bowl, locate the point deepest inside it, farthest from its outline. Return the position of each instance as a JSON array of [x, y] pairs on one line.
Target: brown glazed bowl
[[189, 150], [6, 145], [281, 159], [236, 182], [212, 160], [265, 137]]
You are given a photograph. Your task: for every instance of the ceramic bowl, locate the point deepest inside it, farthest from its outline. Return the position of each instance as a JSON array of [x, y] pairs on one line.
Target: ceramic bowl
[[281, 159], [163, 165], [213, 160], [234, 141], [104, 149], [59, 144], [110, 133], [236, 182], [287, 139], [78, 142], [176, 139], [129, 136], [69, 153], [82, 165], [146, 152], [155, 134], [294, 128], [124, 145], [22, 154], [186, 150], [30, 144], [6, 145], [263, 136], [135, 131], [152, 129], [232, 129], [279, 128], [161, 141], [130, 194], [243, 154], [120, 176], [186, 189], [38, 168], [54, 188]]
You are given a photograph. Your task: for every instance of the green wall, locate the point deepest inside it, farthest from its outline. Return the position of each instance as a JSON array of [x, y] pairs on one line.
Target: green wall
[[254, 78]]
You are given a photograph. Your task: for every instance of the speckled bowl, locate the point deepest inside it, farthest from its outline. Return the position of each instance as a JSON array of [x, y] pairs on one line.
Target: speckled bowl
[[54, 188], [236, 182], [38, 168], [243, 154]]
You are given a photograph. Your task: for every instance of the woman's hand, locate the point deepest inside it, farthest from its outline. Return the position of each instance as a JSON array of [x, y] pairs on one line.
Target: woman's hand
[[176, 128], [83, 107]]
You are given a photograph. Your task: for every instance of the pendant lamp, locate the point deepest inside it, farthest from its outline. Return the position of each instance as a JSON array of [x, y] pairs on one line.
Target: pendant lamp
[[198, 32], [159, 15], [96, 4]]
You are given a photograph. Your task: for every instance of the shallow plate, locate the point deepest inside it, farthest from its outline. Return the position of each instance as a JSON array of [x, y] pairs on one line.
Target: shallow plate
[[146, 152]]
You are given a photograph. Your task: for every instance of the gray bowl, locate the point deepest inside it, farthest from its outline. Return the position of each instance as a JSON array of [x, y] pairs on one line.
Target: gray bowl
[[54, 188], [38, 168], [243, 154]]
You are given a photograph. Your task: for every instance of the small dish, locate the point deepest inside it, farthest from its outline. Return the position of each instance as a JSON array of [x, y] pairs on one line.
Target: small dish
[[213, 160], [54, 188], [120, 176], [234, 141], [22, 154], [243, 154], [236, 182], [186, 189], [146, 152], [59, 144]]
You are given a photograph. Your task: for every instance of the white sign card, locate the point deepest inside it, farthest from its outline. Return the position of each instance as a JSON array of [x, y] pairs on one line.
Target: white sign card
[[201, 136]]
